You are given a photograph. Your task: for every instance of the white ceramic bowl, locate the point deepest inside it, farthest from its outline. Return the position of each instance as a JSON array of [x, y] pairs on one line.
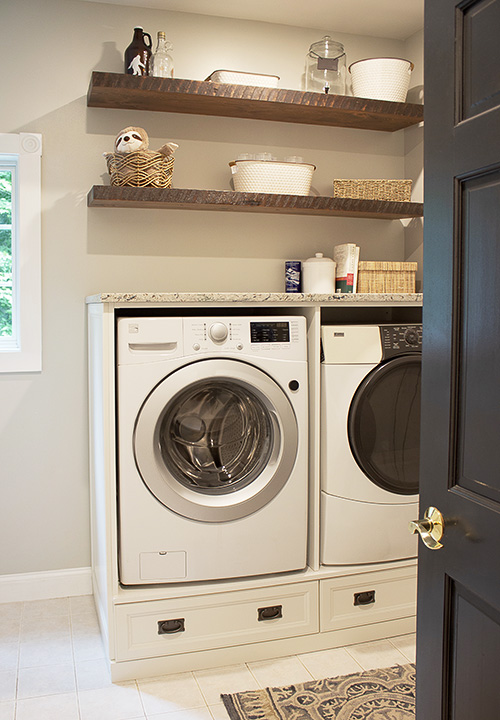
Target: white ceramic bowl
[[381, 78], [269, 176]]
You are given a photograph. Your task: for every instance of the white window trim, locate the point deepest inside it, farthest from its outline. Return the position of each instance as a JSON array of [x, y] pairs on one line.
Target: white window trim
[[27, 355]]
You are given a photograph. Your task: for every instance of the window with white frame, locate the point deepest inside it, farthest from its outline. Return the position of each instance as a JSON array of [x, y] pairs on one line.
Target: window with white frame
[[20, 252]]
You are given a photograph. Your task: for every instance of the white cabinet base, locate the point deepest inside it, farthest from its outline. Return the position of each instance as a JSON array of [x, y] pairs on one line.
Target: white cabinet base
[[317, 612], [222, 657]]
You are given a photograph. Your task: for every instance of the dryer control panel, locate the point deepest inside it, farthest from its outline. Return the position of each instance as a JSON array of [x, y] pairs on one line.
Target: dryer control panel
[[400, 339]]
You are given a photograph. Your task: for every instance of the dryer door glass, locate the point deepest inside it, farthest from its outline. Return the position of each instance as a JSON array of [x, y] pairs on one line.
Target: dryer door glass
[[384, 425], [216, 436]]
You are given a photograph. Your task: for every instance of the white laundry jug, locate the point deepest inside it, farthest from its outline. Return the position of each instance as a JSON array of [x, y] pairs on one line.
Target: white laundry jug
[[318, 275]]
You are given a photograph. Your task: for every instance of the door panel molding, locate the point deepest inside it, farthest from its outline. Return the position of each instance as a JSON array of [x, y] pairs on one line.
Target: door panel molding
[[475, 283], [477, 82]]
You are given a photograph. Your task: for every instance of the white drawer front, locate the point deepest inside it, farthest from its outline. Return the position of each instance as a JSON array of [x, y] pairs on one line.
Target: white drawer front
[[213, 621], [368, 598]]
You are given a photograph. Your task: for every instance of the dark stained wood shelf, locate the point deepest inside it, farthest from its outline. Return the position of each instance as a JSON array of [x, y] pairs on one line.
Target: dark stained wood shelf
[[118, 90], [176, 198]]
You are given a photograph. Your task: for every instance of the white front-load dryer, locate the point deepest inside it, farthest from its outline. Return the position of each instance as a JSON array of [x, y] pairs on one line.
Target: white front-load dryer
[[212, 447], [370, 432]]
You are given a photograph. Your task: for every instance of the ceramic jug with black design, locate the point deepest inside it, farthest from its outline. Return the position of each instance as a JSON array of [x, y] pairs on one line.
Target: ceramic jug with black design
[[138, 53]]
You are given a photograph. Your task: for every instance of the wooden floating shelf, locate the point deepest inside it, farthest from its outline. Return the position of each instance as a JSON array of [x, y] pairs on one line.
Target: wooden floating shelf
[[118, 90], [174, 198]]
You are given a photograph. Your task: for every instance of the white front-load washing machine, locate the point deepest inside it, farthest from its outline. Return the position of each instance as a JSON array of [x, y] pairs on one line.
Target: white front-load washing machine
[[370, 437], [212, 431]]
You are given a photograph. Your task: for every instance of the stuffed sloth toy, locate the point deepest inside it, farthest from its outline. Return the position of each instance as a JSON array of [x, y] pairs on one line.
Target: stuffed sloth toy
[[133, 139]]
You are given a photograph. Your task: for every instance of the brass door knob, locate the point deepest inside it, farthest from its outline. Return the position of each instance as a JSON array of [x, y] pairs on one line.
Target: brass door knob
[[430, 528]]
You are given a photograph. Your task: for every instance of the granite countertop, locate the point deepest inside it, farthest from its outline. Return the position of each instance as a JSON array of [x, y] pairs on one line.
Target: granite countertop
[[248, 297]]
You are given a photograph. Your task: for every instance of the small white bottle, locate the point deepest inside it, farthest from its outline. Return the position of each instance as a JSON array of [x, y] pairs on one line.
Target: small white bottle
[[162, 64], [318, 275]]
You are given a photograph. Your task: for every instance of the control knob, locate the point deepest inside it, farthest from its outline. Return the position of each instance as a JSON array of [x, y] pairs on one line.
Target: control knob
[[218, 332], [411, 337]]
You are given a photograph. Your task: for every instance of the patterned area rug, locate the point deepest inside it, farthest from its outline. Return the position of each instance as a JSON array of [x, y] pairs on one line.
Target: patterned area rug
[[382, 694]]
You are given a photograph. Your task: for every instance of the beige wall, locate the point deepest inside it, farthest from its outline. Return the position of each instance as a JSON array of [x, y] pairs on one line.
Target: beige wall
[[49, 48], [414, 155]]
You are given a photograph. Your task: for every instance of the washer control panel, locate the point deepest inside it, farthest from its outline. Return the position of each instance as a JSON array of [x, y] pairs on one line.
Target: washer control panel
[[270, 332], [278, 337], [400, 339]]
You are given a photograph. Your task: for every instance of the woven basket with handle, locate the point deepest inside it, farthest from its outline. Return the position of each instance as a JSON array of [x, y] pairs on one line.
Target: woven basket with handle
[[140, 169]]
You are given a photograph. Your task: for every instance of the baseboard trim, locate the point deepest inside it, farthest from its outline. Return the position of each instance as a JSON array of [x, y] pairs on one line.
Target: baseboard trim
[[45, 585]]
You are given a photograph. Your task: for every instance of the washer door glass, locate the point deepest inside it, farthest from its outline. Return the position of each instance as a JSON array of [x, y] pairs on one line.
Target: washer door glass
[[216, 436], [384, 425], [216, 440]]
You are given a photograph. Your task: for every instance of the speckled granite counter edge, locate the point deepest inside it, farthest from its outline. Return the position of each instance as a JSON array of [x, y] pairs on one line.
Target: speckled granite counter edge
[[222, 297]]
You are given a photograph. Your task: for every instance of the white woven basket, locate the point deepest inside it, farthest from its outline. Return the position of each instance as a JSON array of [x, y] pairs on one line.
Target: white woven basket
[[381, 78], [268, 176], [234, 77]]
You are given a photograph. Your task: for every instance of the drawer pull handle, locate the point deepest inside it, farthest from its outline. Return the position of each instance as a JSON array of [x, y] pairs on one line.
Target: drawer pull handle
[[364, 598], [270, 613], [169, 627]]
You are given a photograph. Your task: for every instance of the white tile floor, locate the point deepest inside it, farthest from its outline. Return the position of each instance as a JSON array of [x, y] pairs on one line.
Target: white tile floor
[[52, 667]]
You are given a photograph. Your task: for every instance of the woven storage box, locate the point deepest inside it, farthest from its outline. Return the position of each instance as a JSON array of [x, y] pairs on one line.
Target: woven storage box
[[141, 169], [386, 277], [269, 176], [392, 190]]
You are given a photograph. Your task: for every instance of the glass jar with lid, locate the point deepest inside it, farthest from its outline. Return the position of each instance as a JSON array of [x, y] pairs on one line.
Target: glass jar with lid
[[326, 67]]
